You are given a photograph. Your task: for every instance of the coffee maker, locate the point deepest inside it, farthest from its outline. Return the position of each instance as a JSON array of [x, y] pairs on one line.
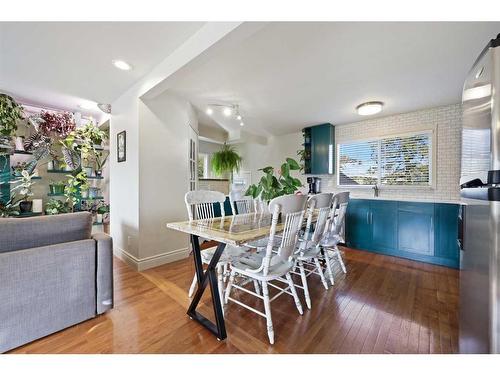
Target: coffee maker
[[314, 185]]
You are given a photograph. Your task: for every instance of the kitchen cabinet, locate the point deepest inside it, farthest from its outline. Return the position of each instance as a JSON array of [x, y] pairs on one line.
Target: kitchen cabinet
[[319, 149], [416, 227], [425, 232]]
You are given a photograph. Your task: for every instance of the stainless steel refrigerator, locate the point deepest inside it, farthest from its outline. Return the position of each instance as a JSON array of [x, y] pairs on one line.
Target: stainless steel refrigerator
[[480, 215]]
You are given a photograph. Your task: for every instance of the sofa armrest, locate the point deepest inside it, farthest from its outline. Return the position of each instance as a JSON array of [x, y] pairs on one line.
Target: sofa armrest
[[104, 272]]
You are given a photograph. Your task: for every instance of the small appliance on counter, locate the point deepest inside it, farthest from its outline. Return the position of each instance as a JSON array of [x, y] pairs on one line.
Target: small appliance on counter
[[314, 185]]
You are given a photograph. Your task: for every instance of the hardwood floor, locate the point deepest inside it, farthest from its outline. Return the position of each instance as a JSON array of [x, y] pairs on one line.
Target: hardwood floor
[[383, 305]]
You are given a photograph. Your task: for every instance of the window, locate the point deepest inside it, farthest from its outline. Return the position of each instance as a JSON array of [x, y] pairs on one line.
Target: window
[[203, 161], [399, 161]]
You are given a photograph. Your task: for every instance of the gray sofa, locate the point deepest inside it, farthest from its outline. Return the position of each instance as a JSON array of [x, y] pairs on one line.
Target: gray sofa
[[53, 274]]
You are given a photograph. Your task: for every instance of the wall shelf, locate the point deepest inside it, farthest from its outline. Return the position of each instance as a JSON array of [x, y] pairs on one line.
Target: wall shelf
[[58, 171], [92, 199], [55, 195], [22, 152]]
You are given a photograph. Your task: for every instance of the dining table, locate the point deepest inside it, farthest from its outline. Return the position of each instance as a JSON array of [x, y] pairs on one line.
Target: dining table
[[234, 230]]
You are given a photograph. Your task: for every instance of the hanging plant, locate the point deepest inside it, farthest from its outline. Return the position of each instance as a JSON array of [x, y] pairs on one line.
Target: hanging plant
[[225, 160]]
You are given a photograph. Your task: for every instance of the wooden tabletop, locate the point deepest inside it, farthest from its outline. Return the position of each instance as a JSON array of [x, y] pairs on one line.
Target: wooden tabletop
[[232, 230]]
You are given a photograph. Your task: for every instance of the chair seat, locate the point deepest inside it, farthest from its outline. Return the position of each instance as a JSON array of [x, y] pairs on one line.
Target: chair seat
[[262, 242], [229, 253], [331, 241], [245, 264], [309, 252]]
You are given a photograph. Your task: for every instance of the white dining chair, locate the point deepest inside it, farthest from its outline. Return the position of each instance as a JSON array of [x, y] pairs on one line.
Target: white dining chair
[[308, 253], [335, 230], [272, 266], [200, 205], [241, 204]]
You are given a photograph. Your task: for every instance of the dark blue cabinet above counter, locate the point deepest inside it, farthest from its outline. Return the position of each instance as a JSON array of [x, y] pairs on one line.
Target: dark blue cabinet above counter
[[319, 149], [425, 232]]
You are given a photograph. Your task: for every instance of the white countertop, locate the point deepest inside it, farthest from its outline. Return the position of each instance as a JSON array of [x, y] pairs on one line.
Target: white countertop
[[418, 200]]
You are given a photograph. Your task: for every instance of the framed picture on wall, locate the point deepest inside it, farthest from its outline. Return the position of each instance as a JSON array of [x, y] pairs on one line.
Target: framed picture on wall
[[121, 146]]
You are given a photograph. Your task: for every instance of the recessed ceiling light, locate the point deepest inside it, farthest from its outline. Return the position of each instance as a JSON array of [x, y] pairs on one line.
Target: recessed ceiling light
[[238, 117], [86, 105], [209, 111], [242, 123], [123, 65], [369, 108], [227, 111]]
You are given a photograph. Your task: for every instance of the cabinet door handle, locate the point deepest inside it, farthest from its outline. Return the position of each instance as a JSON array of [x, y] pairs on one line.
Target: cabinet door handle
[[371, 217], [367, 217]]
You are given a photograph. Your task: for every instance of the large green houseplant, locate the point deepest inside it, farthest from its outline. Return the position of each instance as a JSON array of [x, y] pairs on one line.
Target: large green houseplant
[[226, 160], [271, 186]]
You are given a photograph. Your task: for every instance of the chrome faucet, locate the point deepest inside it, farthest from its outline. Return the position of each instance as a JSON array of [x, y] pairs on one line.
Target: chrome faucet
[[376, 190]]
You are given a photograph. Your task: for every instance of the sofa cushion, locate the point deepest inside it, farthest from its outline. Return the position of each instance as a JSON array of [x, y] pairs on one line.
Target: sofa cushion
[[45, 289], [25, 233]]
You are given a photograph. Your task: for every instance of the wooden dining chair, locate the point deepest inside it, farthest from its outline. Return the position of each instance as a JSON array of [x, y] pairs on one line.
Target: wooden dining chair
[[272, 266], [241, 204], [200, 204], [335, 230], [308, 253]]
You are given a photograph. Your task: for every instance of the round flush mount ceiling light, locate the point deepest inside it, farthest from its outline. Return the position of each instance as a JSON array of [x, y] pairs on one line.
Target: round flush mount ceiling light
[[209, 111], [123, 65], [227, 111], [369, 108], [242, 123]]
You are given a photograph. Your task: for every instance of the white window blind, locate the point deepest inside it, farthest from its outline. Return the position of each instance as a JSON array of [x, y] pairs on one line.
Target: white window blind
[[475, 152], [358, 163], [405, 160], [400, 160]]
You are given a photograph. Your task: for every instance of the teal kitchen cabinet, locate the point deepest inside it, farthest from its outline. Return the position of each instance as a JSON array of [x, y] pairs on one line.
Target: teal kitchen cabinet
[[319, 149], [446, 234], [425, 232], [358, 227], [416, 227], [384, 224]]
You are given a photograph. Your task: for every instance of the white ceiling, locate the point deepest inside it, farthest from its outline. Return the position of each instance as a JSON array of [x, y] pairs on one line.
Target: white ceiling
[[64, 64], [289, 75]]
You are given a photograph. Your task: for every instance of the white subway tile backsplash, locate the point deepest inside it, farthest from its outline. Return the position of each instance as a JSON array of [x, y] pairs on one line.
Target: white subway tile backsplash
[[447, 122]]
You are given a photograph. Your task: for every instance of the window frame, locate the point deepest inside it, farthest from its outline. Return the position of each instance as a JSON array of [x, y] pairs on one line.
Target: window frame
[[432, 159]]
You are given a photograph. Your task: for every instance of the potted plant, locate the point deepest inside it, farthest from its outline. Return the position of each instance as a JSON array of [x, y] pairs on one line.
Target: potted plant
[[9, 208], [100, 160], [55, 124], [56, 187], [10, 113], [19, 168], [270, 186], [25, 186], [226, 160], [93, 133], [75, 187], [55, 207]]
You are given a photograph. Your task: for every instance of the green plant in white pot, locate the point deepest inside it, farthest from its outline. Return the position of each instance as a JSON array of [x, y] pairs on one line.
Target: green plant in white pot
[[226, 160], [25, 187]]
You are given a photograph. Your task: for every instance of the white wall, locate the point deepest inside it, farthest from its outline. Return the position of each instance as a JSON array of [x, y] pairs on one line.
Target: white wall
[[124, 177], [445, 120], [274, 153], [163, 177]]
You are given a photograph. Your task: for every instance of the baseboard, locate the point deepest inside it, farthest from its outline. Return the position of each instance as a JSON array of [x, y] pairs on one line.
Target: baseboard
[[141, 264]]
